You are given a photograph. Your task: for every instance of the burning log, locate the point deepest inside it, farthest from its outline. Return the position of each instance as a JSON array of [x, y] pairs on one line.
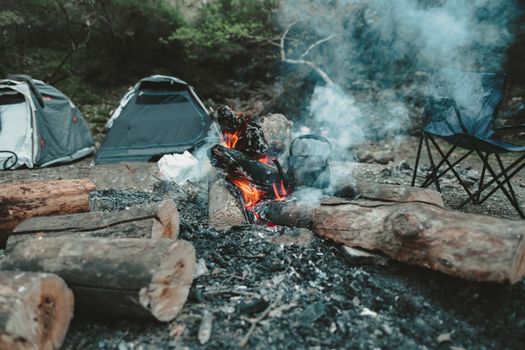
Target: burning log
[[35, 310], [224, 209], [157, 220], [241, 133], [20, 201], [121, 277], [474, 247]]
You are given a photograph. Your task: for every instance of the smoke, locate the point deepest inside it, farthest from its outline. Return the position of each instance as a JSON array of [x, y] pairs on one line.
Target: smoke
[[382, 52]]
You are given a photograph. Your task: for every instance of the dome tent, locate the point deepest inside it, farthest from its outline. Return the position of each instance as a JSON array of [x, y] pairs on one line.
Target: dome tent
[[159, 115], [39, 125]]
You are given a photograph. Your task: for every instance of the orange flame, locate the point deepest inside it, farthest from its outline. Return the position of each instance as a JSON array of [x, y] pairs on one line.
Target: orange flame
[[230, 139], [264, 159], [279, 191], [250, 194]]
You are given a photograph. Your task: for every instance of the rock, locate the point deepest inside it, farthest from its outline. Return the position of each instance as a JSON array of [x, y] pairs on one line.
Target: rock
[[403, 165], [364, 156], [443, 338], [383, 157], [277, 131]]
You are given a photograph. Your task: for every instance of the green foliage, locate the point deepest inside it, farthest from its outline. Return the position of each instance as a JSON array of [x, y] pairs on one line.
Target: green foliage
[[8, 18], [225, 28]]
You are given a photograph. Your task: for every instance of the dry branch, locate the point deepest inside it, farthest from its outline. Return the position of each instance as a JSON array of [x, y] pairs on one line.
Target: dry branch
[[118, 277], [301, 60], [35, 310]]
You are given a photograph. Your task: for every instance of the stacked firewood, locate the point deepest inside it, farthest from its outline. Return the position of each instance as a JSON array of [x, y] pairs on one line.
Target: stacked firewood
[[244, 159], [79, 260]]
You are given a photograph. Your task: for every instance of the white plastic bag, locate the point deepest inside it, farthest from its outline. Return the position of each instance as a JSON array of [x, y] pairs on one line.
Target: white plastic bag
[[182, 167]]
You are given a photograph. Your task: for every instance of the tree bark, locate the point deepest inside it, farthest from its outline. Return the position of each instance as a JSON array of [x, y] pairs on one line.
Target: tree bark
[[35, 310], [19, 201], [133, 277], [396, 193], [473, 247], [156, 220]]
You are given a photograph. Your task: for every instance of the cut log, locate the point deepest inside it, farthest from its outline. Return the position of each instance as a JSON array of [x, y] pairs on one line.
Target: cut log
[[35, 310], [474, 247], [19, 201], [299, 214], [224, 210], [155, 220], [133, 277]]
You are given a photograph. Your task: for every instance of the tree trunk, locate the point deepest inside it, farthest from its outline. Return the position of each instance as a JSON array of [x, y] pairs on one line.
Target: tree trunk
[[156, 220], [35, 310], [20, 201], [119, 277], [474, 247]]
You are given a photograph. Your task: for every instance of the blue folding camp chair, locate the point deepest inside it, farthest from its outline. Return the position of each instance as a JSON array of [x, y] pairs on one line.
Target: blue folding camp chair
[[461, 111]]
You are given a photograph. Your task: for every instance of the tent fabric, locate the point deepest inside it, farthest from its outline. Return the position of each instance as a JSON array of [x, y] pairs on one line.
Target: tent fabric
[[159, 115], [54, 132], [465, 104]]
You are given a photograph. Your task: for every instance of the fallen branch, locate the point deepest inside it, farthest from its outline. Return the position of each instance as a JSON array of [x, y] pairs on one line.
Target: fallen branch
[[254, 321]]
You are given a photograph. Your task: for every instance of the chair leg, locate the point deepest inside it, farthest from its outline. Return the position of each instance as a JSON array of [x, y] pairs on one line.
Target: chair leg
[[516, 164], [511, 189], [428, 180], [451, 167], [480, 185], [501, 185], [432, 164], [416, 165]]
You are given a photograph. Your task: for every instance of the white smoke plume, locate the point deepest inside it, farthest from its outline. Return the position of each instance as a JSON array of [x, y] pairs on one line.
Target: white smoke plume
[[382, 51]]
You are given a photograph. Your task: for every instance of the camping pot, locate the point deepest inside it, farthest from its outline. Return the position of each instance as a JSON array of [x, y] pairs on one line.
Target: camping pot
[[308, 162]]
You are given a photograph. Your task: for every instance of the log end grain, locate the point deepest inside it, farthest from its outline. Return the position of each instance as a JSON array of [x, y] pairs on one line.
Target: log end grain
[[35, 310], [170, 284], [168, 223]]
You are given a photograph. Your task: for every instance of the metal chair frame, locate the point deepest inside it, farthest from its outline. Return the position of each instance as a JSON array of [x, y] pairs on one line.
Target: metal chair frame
[[501, 179]]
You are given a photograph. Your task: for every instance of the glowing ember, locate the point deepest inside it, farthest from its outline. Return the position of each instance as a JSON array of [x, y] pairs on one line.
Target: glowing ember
[[264, 159], [279, 191], [230, 139], [250, 194]]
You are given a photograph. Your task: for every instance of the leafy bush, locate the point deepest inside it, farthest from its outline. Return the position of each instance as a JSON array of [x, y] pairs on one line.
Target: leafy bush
[[227, 28]]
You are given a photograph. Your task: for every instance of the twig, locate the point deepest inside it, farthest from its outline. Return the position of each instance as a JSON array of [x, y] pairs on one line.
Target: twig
[[301, 59], [229, 291], [244, 341]]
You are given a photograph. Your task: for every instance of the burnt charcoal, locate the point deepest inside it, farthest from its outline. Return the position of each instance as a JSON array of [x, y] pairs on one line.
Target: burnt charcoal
[[230, 121], [312, 313], [238, 165], [253, 306], [252, 141]]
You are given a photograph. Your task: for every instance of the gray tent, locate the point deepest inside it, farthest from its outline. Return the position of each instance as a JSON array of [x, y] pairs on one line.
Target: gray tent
[[39, 125], [159, 115]]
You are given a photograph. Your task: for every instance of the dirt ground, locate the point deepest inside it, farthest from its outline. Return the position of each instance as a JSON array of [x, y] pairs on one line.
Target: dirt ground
[[316, 299]]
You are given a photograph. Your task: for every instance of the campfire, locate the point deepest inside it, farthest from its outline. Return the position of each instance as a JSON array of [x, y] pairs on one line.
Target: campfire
[[254, 174]]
